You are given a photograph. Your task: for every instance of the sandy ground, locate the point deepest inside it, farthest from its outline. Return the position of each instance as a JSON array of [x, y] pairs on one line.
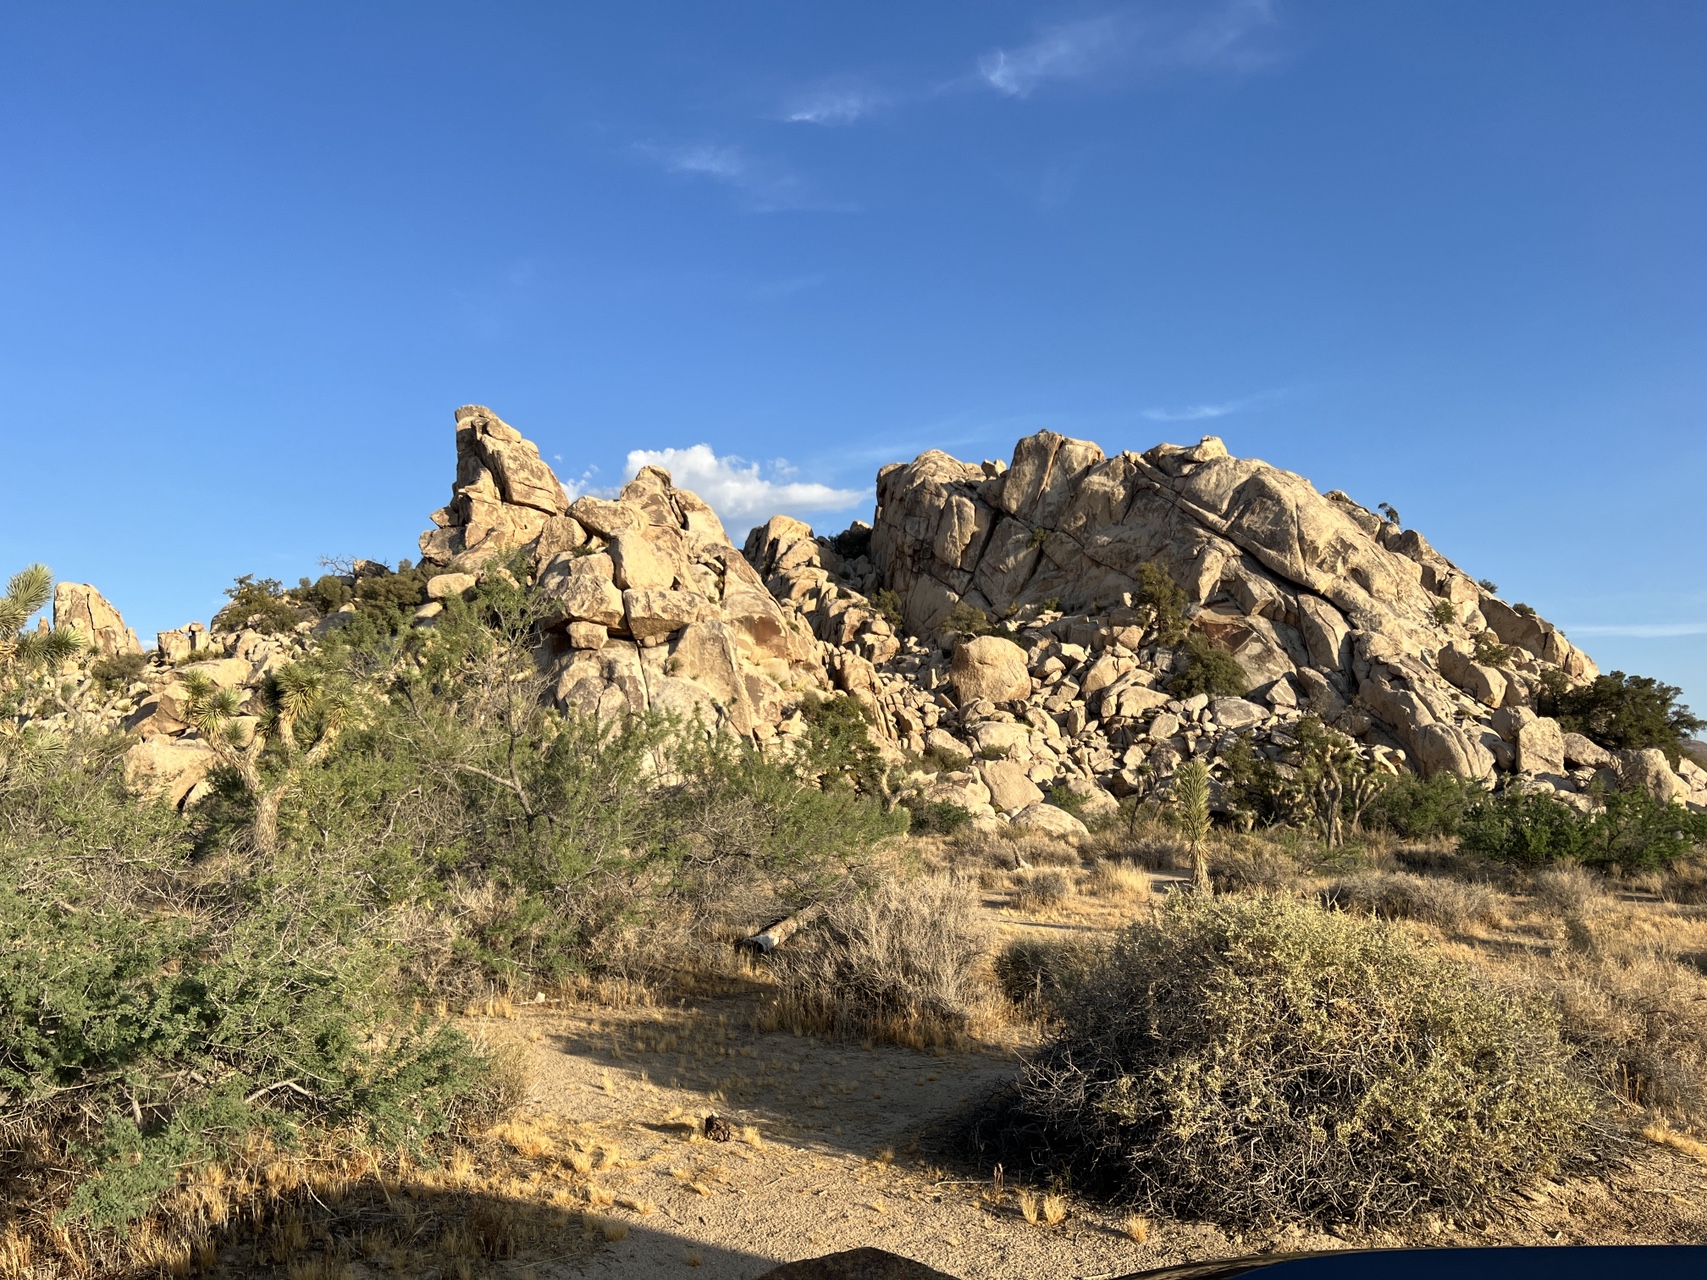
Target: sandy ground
[[843, 1145]]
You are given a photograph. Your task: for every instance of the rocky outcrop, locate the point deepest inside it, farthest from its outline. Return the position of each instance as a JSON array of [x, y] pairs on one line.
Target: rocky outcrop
[[645, 605], [505, 498], [1324, 605], [77, 606]]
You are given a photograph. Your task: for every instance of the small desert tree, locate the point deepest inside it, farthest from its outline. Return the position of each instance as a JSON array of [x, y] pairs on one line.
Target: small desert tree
[[304, 711], [1338, 781], [26, 749], [1191, 803]]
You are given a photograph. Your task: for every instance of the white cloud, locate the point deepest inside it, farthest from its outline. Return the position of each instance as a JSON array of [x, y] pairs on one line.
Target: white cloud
[[1642, 630], [766, 186], [838, 102], [1134, 41], [740, 490], [1199, 412]]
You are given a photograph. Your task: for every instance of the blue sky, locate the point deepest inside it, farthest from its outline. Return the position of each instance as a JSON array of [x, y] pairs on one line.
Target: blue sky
[[1443, 255]]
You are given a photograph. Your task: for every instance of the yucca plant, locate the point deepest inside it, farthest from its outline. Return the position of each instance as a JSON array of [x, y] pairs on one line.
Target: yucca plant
[[1191, 801]]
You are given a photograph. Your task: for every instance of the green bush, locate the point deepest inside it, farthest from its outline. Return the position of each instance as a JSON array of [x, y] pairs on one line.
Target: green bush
[[1247, 1059], [1163, 599], [1209, 670], [1417, 808], [888, 603], [119, 670], [1621, 712], [935, 817], [259, 605], [967, 619], [1633, 831]]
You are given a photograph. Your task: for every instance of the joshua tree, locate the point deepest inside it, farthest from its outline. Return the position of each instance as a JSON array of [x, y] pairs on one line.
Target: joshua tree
[[303, 713], [1338, 781], [1191, 796], [21, 652]]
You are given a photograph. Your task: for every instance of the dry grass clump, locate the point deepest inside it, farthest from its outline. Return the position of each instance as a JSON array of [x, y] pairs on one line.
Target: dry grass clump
[[1566, 890], [1150, 844], [1254, 865], [1038, 973], [1686, 882], [1043, 887], [1246, 1059], [1453, 905], [897, 962], [1110, 879], [1635, 1013]]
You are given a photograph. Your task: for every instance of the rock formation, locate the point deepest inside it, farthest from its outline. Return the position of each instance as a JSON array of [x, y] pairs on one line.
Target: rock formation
[[646, 604], [79, 607], [1325, 606]]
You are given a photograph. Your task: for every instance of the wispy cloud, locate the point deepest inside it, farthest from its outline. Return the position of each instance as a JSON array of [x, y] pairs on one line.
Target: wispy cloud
[[741, 490], [1132, 41], [1641, 630], [835, 102], [1219, 409], [765, 186]]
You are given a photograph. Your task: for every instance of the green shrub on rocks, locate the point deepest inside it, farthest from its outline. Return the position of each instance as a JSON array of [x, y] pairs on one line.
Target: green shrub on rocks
[[1252, 1059]]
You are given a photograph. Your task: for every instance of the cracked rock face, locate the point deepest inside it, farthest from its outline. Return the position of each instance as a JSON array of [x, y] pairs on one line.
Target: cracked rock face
[[646, 606], [1323, 604], [79, 607]]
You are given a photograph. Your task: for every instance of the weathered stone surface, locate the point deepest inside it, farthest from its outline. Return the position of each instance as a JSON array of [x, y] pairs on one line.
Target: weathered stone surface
[[505, 496], [1649, 770], [166, 767], [445, 585], [1010, 788], [1048, 820], [1236, 713], [78, 607], [225, 673], [989, 667], [1540, 746], [1582, 752]]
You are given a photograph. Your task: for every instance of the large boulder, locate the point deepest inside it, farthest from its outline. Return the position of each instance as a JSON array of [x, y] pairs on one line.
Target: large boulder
[[1011, 788], [1046, 819], [989, 667], [167, 768], [1649, 770], [78, 607]]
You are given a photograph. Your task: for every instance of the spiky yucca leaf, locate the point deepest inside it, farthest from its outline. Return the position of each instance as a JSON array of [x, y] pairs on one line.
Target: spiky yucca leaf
[[30, 588], [48, 648]]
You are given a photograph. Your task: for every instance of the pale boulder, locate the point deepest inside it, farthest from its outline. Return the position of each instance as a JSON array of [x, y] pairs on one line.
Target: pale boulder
[[78, 607], [1540, 746], [1237, 713], [445, 585], [654, 614], [167, 768], [1649, 770], [1046, 819], [223, 673], [989, 667], [1010, 789]]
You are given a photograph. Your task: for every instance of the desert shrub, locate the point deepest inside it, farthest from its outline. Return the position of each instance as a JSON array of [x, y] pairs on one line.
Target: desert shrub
[[118, 670], [967, 619], [1246, 1059], [1036, 973], [1438, 900], [935, 817], [1632, 831], [1488, 651], [1686, 882], [1416, 807], [887, 601], [853, 542], [1042, 887], [1632, 1012], [259, 605], [837, 749], [1566, 890], [1245, 864], [1163, 599], [897, 960], [1622, 712], [1209, 670], [1443, 613]]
